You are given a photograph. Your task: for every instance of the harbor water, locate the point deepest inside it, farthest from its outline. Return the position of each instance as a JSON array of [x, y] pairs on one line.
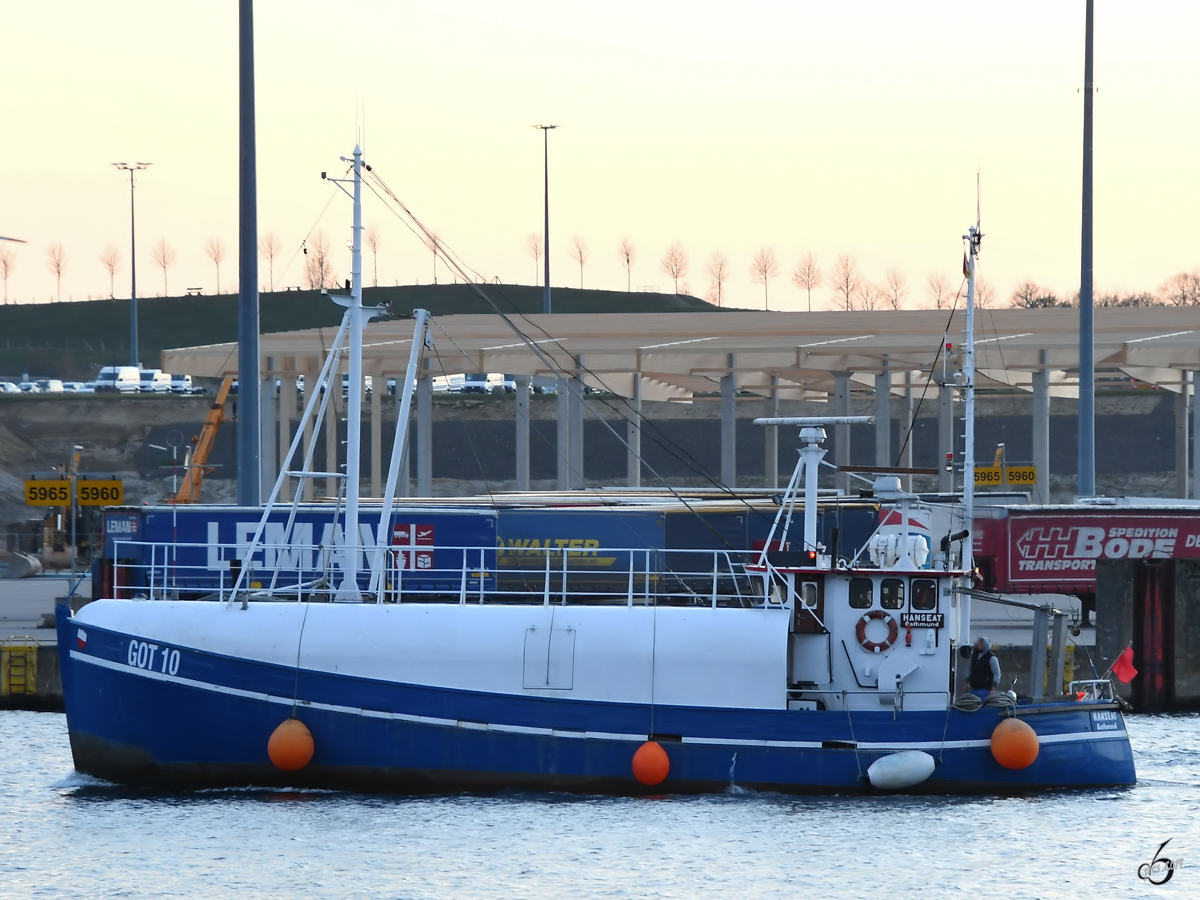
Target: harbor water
[[71, 836]]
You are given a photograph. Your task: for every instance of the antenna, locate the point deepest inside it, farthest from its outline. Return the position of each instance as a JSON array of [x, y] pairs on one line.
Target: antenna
[[978, 200]]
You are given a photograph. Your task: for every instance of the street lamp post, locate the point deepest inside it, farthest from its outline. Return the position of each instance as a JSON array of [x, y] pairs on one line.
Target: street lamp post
[[133, 317], [546, 129]]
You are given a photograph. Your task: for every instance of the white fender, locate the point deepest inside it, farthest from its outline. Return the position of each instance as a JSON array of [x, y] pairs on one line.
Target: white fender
[[897, 771]]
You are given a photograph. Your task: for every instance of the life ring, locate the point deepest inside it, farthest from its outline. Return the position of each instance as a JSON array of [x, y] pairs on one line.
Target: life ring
[[876, 646]]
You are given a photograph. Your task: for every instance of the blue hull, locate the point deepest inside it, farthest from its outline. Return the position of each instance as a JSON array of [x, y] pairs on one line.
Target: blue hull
[[204, 721]]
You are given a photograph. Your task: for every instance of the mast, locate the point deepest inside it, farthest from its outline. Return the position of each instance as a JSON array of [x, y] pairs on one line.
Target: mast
[[970, 260], [349, 589]]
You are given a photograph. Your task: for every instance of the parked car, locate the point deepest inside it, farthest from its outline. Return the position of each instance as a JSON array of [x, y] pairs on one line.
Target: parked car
[[50, 385], [8, 387], [83, 387], [154, 381], [125, 379], [448, 384], [182, 384], [30, 387]]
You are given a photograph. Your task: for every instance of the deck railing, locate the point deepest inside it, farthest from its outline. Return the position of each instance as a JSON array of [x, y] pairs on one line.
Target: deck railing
[[416, 574]]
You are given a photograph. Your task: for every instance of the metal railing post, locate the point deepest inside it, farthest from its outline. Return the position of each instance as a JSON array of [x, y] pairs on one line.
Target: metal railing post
[[563, 602]]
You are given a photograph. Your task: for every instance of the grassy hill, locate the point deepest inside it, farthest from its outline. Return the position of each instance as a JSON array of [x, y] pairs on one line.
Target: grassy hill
[[72, 340]]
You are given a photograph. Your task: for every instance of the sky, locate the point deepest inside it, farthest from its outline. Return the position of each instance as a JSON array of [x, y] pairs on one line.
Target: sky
[[834, 128]]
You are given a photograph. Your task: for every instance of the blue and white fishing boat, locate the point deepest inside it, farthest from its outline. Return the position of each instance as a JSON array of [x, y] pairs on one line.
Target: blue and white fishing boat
[[401, 662]]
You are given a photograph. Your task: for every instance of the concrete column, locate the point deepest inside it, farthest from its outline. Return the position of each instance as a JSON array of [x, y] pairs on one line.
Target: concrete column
[[633, 435], [576, 423], [424, 435], [946, 438], [310, 386], [1182, 437], [907, 430], [729, 424], [771, 439], [333, 418], [287, 415], [522, 431], [883, 417], [404, 479], [268, 411], [378, 389], [562, 447], [1041, 430], [841, 433]]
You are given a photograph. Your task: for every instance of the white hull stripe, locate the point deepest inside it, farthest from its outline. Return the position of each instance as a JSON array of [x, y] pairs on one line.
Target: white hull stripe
[[556, 732]]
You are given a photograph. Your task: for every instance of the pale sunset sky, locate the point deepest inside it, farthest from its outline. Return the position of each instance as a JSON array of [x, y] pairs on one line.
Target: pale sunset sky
[[849, 127]]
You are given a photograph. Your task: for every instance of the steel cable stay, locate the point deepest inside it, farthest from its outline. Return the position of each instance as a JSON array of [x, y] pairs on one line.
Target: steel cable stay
[[452, 258]]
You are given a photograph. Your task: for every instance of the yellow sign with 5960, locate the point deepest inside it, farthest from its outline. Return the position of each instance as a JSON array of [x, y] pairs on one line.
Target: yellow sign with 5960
[[43, 492], [1010, 475]]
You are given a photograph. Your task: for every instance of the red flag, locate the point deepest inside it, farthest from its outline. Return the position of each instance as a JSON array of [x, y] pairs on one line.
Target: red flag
[[1123, 667]]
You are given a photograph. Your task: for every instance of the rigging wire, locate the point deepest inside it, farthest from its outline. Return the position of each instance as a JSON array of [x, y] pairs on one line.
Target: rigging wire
[[452, 260], [929, 378]]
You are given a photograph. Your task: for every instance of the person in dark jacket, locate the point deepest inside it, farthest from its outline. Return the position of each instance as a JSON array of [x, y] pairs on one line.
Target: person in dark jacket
[[983, 677]]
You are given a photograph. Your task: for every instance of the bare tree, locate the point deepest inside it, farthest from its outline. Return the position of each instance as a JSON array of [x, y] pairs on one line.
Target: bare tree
[[7, 262], [533, 247], [374, 239], [807, 275], [1182, 289], [111, 260], [939, 291], [56, 262], [763, 268], [675, 263], [628, 256], [268, 248], [896, 287], [1138, 298], [215, 251], [985, 294], [164, 258], [718, 271], [579, 253], [869, 296], [1029, 295], [846, 280], [318, 268]]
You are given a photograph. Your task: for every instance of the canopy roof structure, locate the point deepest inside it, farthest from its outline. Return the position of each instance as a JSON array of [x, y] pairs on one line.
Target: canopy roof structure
[[678, 355]]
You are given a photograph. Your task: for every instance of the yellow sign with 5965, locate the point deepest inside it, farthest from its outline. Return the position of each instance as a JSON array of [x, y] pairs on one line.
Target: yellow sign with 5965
[[45, 492], [1010, 475]]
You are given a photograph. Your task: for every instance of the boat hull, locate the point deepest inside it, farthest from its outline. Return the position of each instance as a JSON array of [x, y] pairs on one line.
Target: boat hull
[[203, 719]]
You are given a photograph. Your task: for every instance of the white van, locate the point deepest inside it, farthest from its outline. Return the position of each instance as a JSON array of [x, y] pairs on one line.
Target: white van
[[182, 384], [125, 379], [155, 381]]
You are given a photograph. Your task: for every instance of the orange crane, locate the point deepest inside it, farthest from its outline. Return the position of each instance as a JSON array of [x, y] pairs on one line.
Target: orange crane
[[195, 465]]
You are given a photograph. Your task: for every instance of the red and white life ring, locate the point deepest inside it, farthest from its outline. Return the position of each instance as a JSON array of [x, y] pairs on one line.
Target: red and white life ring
[[876, 646]]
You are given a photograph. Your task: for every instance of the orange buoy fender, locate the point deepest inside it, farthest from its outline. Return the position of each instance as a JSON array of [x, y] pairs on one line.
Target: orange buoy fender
[[651, 764], [1014, 744], [291, 745]]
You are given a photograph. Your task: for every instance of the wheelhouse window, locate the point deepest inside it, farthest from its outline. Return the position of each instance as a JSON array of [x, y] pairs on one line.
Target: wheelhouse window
[[862, 593], [891, 593], [924, 591], [808, 594]]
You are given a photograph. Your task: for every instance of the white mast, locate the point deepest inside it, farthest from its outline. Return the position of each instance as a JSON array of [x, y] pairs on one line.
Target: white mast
[[349, 590], [972, 237]]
